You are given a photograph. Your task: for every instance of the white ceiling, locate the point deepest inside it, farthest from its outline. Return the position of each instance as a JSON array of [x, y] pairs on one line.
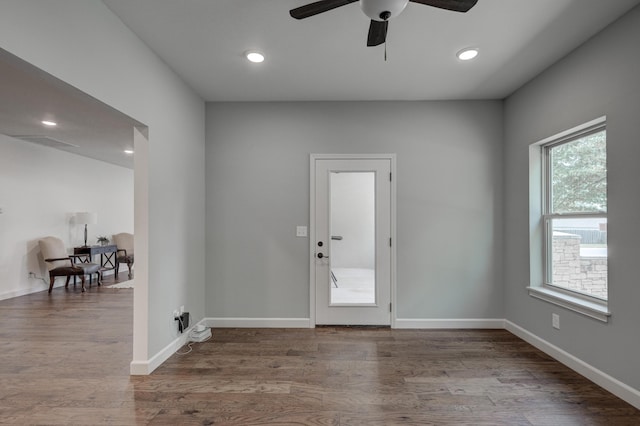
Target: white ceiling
[[316, 59], [325, 57]]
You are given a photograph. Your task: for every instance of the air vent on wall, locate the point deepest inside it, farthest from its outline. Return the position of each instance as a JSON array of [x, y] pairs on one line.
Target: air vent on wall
[[46, 141]]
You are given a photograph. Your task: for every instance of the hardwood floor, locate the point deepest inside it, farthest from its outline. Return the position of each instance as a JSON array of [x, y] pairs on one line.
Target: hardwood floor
[[65, 360]]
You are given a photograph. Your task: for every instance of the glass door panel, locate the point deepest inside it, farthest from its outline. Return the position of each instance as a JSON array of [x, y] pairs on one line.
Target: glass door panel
[[353, 235]]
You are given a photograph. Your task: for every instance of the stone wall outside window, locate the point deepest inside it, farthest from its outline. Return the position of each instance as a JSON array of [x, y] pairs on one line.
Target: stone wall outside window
[[570, 271]]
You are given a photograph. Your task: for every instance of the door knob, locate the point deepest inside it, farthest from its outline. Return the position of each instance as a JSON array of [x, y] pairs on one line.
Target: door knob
[[322, 256]]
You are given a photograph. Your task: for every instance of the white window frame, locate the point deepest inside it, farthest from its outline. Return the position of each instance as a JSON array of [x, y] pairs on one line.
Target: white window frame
[[540, 227]]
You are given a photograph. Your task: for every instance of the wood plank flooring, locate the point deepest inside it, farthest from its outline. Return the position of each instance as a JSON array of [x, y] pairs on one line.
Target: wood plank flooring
[[65, 360]]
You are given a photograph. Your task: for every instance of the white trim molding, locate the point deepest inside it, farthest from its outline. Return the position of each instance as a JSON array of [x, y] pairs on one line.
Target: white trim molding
[[574, 303], [257, 322], [142, 368], [30, 290], [43, 284], [613, 385], [401, 323], [146, 367], [468, 323]]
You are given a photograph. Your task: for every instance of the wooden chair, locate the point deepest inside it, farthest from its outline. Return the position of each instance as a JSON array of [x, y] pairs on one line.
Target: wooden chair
[[61, 264], [124, 241]]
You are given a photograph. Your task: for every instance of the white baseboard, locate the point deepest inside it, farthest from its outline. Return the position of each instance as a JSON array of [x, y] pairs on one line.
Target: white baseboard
[[257, 322], [449, 323], [613, 385], [306, 323], [43, 284], [143, 368], [29, 290]]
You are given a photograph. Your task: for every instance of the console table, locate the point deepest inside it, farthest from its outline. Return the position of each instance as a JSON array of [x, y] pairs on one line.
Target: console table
[[107, 254]]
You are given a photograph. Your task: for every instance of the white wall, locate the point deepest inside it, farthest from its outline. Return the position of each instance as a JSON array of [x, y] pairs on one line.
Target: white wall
[[84, 44], [41, 189], [449, 202], [353, 218], [600, 78]]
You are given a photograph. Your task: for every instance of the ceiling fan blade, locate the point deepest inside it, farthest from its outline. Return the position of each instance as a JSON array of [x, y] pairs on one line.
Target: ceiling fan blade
[[377, 33], [317, 7], [455, 5]]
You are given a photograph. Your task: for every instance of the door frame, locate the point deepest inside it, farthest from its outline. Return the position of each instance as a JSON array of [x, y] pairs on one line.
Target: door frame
[[312, 226]]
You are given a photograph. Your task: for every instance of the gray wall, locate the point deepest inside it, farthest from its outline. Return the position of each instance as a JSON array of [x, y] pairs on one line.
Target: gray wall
[[449, 202], [84, 44], [600, 78]]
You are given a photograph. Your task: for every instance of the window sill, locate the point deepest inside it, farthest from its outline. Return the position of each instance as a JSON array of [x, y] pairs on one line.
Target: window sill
[[577, 304]]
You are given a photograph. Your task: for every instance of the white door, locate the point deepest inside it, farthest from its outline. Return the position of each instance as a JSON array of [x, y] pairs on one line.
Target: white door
[[351, 266]]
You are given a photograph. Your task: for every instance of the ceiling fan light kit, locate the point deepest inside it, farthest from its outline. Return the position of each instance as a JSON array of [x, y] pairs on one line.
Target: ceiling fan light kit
[[379, 11], [383, 10]]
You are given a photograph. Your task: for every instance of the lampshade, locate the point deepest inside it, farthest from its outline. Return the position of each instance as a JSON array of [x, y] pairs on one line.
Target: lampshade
[[86, 218]]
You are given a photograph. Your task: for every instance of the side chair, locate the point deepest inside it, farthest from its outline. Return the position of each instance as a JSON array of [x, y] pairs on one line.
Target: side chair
[[61, 264], [124, 241]]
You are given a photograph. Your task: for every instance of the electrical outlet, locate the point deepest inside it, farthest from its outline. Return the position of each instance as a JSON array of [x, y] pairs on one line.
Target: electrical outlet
[[183, 321], [555, 321], [181, 309]]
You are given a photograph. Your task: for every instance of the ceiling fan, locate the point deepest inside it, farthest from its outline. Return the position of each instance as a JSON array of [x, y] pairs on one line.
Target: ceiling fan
[[380, 11]]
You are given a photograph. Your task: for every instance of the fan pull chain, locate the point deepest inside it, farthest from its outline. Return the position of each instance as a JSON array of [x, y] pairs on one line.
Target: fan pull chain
[[385, 50]]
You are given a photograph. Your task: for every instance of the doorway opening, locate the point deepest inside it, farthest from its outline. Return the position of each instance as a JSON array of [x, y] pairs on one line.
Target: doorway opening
[[92, 130]]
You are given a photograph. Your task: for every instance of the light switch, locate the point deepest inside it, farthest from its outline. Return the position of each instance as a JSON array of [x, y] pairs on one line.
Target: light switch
[[301, 231]]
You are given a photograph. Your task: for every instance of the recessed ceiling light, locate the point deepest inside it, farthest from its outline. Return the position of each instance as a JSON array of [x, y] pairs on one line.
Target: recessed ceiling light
[[49, 123], [467, 54], [254, 56], [128, 151]]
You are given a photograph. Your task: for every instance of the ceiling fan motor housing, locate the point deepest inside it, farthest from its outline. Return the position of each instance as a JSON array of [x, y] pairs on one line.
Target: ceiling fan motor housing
[[382, 10]]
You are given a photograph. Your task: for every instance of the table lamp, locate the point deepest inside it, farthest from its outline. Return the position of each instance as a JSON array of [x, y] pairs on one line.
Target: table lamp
[[88, 219]]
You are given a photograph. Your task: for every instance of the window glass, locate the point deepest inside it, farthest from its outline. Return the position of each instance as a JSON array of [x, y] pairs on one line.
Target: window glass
[[579, 255], [575, 217], [579, 175]]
